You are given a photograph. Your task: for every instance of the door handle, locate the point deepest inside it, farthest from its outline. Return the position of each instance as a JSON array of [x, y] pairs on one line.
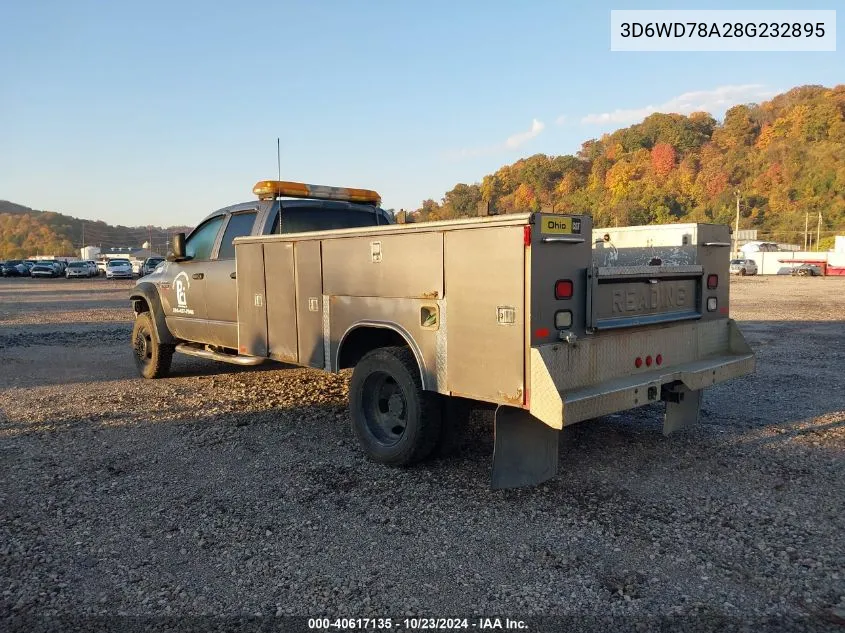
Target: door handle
[[197, 276], [233, 275]]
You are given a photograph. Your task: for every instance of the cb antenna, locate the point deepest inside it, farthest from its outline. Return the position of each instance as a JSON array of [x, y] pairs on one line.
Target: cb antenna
[[279, 164]]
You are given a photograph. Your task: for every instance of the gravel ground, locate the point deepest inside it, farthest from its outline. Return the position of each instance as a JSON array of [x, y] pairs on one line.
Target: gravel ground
[[241, 492]]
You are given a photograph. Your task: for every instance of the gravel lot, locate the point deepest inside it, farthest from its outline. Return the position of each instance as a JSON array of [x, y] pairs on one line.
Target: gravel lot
[[238, 492]]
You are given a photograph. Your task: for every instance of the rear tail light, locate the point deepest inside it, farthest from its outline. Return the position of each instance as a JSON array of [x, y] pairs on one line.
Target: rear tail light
[[541, 332], [563, 289], [712, 282]]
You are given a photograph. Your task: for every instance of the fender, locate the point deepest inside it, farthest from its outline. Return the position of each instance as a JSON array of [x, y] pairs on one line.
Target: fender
[[149, 293], [396, 329]]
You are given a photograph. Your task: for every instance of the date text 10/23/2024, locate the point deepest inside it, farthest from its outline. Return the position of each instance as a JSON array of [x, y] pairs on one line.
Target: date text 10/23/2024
[[416, 624]]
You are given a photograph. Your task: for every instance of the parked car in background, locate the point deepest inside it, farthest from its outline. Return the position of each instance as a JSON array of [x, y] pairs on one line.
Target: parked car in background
[[150, 264], [743, 267], [119, 269], [806, 270], [93, 266], [26, 268], [12, 268], [101, 265], [78, 269], [45, 269]]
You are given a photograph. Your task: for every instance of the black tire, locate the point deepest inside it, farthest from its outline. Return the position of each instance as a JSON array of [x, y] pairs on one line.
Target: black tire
[[742, 272], [455, 420], [395, 421], [151, 357]]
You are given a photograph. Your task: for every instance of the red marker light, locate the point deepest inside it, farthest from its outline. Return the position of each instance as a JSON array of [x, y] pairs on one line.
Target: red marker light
[[659, 359], [638, 363], [648, 361], [526, 235], [541, 332]]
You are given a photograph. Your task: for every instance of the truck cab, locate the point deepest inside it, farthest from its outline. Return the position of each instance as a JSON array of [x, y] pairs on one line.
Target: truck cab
[[192, 298]]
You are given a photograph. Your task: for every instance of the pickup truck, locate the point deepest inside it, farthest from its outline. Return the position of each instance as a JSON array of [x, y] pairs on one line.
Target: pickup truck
[[538, 314]]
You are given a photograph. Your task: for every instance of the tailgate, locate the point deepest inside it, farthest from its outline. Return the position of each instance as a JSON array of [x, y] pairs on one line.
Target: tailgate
[[630, 296]]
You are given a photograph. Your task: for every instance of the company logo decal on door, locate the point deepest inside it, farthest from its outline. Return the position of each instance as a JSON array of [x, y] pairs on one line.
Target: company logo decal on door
[[181, 285]]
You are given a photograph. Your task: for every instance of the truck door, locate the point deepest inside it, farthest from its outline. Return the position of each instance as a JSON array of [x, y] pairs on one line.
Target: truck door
[[184, 294], [221, 298]]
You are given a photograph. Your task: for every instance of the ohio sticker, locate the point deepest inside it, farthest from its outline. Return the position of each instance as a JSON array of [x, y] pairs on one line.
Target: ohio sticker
[[559, 225]]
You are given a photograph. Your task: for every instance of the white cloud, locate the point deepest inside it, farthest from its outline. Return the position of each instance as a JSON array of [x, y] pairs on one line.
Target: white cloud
[[714, 101], [561, 119], [516, 140], [512, 142]]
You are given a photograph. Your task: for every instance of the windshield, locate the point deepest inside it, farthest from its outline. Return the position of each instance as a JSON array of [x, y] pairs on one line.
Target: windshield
[[77, 265], [119, 262], [737, 261]]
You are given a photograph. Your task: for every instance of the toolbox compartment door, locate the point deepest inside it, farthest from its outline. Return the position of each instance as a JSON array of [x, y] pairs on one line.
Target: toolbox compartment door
[[252, 302]]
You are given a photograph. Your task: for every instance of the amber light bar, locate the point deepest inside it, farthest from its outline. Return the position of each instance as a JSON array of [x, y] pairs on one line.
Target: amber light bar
[[269, 189]]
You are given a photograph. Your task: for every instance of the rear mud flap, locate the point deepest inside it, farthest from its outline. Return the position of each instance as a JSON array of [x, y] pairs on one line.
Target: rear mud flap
[[525, 450]]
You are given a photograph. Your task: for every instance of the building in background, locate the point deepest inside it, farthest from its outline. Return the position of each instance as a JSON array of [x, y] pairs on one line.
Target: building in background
[[89, 253]]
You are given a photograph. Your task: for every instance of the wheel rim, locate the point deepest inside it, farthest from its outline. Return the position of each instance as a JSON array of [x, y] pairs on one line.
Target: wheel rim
[[143, 346], [385, 408]]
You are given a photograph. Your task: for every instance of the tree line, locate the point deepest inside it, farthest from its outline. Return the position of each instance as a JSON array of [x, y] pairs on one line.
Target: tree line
[[784, 158]]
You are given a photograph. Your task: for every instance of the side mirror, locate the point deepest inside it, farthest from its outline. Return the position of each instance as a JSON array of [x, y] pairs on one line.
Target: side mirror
[[177, 248]]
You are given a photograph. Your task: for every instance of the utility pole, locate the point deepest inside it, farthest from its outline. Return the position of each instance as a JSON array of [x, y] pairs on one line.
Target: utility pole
[[736, 228], [806, 226], [819, 230]]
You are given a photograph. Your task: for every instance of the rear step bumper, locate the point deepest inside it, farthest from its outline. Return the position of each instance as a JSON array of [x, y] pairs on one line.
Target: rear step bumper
[[570, 384], [634, 391]]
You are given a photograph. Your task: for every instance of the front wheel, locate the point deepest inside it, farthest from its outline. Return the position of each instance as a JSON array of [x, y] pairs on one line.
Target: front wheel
[[742, 272], [151, 357], [394, 419]]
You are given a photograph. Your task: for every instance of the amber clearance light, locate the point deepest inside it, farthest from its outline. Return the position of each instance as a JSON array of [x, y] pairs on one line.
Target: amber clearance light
[[269, 189]]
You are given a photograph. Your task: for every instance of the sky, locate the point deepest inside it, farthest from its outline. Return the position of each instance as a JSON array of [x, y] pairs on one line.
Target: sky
[[157, 113]]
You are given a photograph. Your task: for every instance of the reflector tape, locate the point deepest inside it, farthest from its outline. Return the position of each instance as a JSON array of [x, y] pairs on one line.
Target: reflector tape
[[269, 189]]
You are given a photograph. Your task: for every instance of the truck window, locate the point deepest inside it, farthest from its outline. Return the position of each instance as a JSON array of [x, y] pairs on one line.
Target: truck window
[[239, 225], [299, 220], [201, 241]]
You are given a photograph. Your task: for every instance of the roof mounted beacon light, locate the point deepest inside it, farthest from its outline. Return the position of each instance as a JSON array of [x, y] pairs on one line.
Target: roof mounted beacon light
[[271, 189]]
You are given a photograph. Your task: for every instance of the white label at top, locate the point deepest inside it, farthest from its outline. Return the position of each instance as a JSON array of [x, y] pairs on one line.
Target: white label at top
[[723, 30]]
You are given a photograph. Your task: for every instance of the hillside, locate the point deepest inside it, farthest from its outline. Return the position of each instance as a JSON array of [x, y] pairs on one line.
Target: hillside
[[785, 157], [25, 232]]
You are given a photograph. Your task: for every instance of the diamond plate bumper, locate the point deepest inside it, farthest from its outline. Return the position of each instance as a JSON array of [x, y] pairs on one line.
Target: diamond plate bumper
[[596, 376]]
